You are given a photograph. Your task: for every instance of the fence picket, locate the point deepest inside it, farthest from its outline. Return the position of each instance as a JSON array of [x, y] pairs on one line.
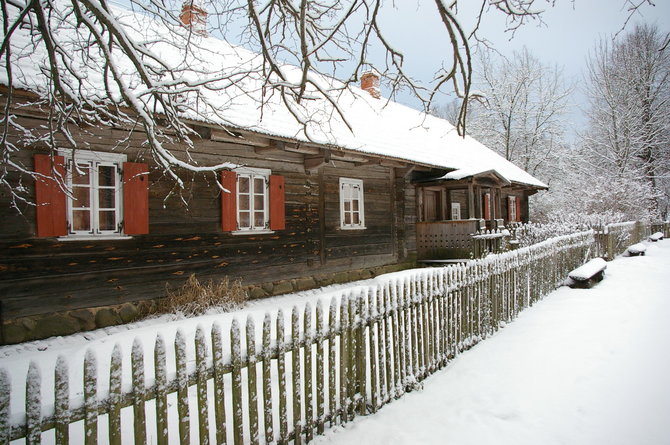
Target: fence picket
[[344, 354], [182, 388], [252, 381], [115, 376], [376, 360], [332, 361], [201, 385], [160, 377], [236, 358], [61, 401], [139, 417], [5, 392], [320, 375], [267, 378], [309, 410], [219, 390], [295, 373], [281, 376]]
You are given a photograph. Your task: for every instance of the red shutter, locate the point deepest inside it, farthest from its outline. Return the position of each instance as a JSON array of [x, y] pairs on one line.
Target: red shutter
[[49, 196], [487, 206], [518, 208], [135, 198], [229, 201], [277, 208]]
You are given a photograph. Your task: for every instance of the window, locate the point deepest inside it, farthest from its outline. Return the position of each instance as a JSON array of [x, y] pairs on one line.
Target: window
[[252, 199], [512, 208], [455, 210], [85, 194], [253, 202], [352, 215], [95, 201]]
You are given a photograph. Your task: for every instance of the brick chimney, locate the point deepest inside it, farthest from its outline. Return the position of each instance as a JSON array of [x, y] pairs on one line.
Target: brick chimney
[[370, 83], [194, 16]]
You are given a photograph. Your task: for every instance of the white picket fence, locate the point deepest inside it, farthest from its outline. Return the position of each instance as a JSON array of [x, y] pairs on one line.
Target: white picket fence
[[366, 350]]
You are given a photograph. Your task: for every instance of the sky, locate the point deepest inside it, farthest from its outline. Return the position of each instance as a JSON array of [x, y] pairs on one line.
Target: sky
[[568, 32]]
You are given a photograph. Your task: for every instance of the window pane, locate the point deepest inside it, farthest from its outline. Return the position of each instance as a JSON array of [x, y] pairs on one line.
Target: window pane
[[259, 202], [81, 220], [259, 185], [244, 220], [82, 197], [243, 184], [106, 199], [355, 205], [107, 220], [244, 202], [356, 220], [80, 174], [106, 175], [347, 206], [259, 219], [347, 218]]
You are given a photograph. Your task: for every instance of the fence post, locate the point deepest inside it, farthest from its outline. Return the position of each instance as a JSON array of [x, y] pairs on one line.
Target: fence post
[[219, 393], [62, 401], [139, 418], [267, 378], [295, 372], [201, 387], [236, 359], [115, 375], [281, 375], [182, 388], [5, 392], [160, 376], [252, 395]]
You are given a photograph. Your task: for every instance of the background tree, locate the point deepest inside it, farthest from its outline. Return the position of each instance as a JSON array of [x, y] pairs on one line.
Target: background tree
[[523, 115], [628, 137]]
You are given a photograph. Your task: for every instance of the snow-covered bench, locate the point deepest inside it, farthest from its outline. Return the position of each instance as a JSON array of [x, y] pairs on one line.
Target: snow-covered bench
[[637, 249], [656, 237], [588, 274]]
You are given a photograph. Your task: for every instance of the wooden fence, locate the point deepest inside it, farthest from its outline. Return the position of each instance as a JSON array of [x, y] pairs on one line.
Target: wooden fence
[[319, 368]]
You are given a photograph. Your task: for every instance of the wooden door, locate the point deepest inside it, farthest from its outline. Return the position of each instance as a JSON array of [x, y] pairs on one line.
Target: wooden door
[[430, 206]]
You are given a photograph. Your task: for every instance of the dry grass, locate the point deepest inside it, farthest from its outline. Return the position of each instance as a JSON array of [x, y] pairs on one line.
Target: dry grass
[[195, 298]]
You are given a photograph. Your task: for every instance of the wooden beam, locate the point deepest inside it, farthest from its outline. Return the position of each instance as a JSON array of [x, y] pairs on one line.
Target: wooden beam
[[221, 135], [274, 147], [404, 172], [314, 162]]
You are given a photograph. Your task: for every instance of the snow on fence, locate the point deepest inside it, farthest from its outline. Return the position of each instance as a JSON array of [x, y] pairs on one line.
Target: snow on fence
[[614, 239], [365, 350]]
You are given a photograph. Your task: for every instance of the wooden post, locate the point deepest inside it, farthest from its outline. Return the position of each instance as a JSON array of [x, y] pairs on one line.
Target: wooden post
[[160, 377], [5, 392], [201, 387], [236, 359], [320, 340], [139, 415], [281, 376], [295, 372], [182, 388], [252, 381], [267, 379], [219, 390], [61, 401], [114, 398], [332, 361], [309, 411]]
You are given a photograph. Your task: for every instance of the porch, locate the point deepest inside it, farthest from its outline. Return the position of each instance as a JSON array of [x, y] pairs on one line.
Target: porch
[[457, 240]]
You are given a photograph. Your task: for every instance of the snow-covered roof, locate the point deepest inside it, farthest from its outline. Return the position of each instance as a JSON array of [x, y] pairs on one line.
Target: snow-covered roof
[[373, 126]]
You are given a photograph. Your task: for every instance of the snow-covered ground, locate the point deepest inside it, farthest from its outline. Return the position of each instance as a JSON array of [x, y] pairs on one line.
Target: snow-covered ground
[[580, 367], [583, 366]]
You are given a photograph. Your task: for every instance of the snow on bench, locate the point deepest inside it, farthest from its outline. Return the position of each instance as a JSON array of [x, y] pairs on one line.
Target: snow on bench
[[637, 249], [656, 237], [588, 274]]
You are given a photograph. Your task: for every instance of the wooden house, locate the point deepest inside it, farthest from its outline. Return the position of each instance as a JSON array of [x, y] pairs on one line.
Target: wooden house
[[109, 230]]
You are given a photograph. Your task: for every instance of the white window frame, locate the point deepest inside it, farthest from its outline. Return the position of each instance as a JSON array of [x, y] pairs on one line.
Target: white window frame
[[252, 174], [95, 159], [455, 211], [346, 185], [512, 203]]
